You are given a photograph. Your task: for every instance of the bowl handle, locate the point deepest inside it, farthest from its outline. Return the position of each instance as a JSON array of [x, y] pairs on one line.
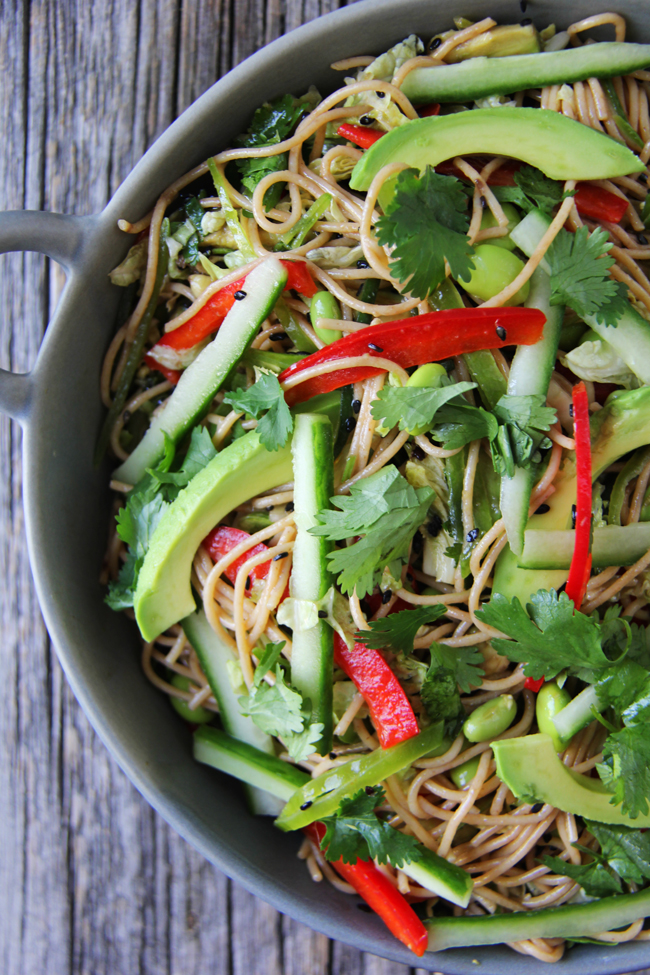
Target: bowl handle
[[60, 237]]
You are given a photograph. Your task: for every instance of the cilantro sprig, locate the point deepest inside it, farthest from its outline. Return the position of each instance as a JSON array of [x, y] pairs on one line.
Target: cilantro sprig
[[355, 832], [579, 265], [426, 223], [451, 671], [524, 422], [272, 123], [386, 512], [276, 425], [397, 631]]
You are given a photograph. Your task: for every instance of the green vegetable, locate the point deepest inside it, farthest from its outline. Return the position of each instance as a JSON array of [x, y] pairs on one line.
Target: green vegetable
[[273, 122], [524, 422], [458, 423], [321, 797], [594, 878], [276, 425], [498, 42], [631, 469], [193, 715], [463, 774], [627, 851], [269, 361], [325, 305], [355, 832], [450, 672], [490, 719], [488, 221], [625, 768], [397, 631], [233, 221], [550, 700], [611, 545], [579, 266], [425, 223], [619, 115], [414, 407], [494, 269], [367, 292], [387, 512], [296, 236]]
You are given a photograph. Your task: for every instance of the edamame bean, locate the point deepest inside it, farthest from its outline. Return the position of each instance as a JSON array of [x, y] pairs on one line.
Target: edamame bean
[[488, 221], [198, 715], [324, 305], [430, 374], [490, 719], [494, 269], [463, 774], [550, 700]]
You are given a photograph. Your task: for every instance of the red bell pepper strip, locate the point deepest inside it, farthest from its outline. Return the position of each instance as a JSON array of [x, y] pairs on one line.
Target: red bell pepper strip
[[580, 569], [425, 111], [360, 135], [599, 204], [378, 892], [533, 685], [414, 341], [171, 375], [299, 279], [222, 540], [390, 710]]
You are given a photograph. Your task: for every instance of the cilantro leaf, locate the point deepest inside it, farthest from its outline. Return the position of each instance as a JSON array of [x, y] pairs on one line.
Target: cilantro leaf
[[275, 427], [625, 768], [451, 671], [397, 631], [541, 191], [625, 688], [414, 407], [387, 512], [267, 661], [466, 663], [276, 709], [301, 744], [425, 223], [355, 832], [594, 878], [199, 454], [579, 265], [271, 123], [554, 637], [627, 851], [136, 523], [458, 423], [525, 420]]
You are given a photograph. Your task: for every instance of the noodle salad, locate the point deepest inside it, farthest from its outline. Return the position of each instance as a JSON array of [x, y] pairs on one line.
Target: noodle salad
[[380, 398]]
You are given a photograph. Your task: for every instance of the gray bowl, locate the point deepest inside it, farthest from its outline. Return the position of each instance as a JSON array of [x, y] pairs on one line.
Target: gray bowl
[[58, 404]]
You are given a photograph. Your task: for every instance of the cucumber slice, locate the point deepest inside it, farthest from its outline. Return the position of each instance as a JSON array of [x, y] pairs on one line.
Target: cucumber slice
[[243, 761], [570, 921], [445, 879], [213, 656], [202, 379], [313, 646], [612, 545]]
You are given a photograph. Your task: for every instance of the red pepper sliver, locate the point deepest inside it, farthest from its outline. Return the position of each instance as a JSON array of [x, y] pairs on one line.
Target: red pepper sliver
[[581, 561], [378, 892], [599, 204], [222, 540], [533, 685], [299, 279], [414, 341], [425, 111], [359, 134], [171, 375], [391, 712]]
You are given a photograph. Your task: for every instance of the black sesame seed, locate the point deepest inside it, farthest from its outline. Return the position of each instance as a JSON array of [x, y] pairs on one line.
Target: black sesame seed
[[365, 120], [375, 348], [370, 790], [523, 5], [365, 908], [322, 614], [417, 453], [380, 94], [126, 416], [571, 410], [472, 535], [537, 807], [356, 405], [526, 22], [289, 506], [361, 263], [434, 525], [307, 804], [278, 336], [501, 333], [418, 543], [643, 178], [543, 508], [269, 508], [239, 295], [574, 514], [333, 755], [249, 582], [642, 239], [281, 555], [386, 596], [350, 424], [435, 43]]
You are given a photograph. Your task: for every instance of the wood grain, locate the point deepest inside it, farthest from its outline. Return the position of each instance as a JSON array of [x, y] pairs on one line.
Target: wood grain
[[91, 879]]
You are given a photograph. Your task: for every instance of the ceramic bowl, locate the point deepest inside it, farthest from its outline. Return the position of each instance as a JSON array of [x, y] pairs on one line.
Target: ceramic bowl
[[58, 405]]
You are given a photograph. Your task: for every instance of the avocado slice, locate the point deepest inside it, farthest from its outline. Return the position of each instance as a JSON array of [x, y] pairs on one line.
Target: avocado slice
[[499, 42], [163, 595], [531, 769], [559, 146]]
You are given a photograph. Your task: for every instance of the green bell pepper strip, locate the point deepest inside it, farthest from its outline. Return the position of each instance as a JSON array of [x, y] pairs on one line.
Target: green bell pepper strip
[[296, 236], [321, 797], [367, 292]]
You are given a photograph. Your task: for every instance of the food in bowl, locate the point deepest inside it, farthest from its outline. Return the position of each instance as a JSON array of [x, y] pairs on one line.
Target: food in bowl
[[379, 394]]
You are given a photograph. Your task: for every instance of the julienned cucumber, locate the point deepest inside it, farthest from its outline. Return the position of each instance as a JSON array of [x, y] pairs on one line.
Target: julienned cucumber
[[629, 336], [570, 921], [313, 644], [530, 374], [243, 761], [202, 379], [322, 796], [441, 877], [612, 545], [214, 656], [499, 76]]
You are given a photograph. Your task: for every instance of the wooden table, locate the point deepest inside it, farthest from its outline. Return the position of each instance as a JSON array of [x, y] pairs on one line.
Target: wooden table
[[91, 879]]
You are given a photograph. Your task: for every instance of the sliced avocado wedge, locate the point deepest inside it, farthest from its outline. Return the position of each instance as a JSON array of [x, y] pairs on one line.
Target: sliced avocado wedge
[[531, 769], [560, 147], [163, 595]]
